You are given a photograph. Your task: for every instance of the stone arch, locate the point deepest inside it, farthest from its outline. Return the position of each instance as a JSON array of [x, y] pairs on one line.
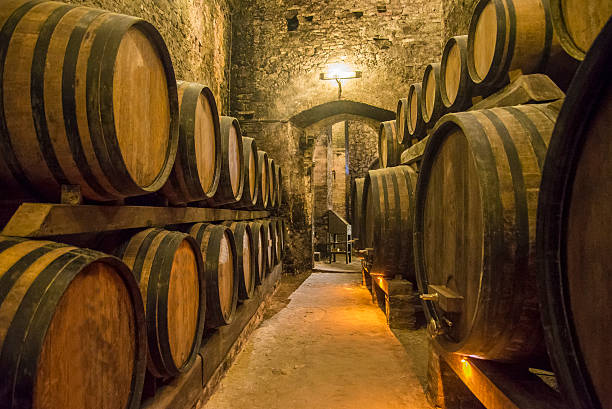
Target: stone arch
[[338, 108]]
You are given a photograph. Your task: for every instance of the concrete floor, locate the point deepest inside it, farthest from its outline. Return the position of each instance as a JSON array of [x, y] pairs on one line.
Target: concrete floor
[[338, 267], [329, 347]]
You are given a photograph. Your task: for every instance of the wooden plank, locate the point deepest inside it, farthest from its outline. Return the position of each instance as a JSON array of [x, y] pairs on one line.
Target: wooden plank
[[43, 220], [414, 153], [502, 386], [187, 389]]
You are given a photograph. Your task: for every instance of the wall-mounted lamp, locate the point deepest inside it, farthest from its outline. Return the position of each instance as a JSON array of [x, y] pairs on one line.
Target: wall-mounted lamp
[[339, 72]]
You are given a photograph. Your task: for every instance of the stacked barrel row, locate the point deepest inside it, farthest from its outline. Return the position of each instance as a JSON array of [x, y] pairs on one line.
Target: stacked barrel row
[[89, 102], [89, 99], [508, 225], [74, 318]]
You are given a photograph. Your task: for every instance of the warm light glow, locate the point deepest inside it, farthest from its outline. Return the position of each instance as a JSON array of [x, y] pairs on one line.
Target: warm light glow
[[466, 367], [340, 71]]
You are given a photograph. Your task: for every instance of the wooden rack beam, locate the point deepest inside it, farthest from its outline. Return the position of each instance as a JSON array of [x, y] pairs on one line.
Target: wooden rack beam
[[43, 220]]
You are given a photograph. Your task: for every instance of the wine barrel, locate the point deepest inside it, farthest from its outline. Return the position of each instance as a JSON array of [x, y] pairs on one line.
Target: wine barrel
[[72, 328], [387, 211], [431, 104], [416, 126], [196, 172], [279, 186], [72, 80], [250, 169], [356, 215], [169, 268], [401, 118], [456, 86], [245, 255], [271, 257], [474, 232], [271, 184], [231, 178], [264, 180], [573, 235], [578, 22], [510, 35], [278, 239], [220, 271], [389, 148], [260, 251]]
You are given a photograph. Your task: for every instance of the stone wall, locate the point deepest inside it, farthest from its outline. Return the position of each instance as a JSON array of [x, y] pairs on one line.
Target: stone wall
[[363, 148], [457, 16], [198, 34]]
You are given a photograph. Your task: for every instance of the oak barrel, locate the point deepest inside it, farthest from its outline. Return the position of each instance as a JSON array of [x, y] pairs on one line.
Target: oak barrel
[[456, 86], [387, 214], [231, 179], [431, 103], [389, 148], [278, 239], [245, 255], [511, 35], [279, 186], [573, 235], [264, 180], [196, 172], [259, 250], [250, 169], [271, 184], [401, 121], [416, 126], [72, 81], [578, 22], [220, 271], [474, 234], [168, 266], [356, 215], [72, 333], [271, 256]]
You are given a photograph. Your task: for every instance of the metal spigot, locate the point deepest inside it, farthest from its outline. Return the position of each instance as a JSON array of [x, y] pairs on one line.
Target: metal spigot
[[435, 329], [430, 297]]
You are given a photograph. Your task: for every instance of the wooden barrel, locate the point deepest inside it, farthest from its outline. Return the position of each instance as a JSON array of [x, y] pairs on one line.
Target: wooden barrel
[[231, 178], [510, 35], [168, 266], [264, 180], [278, 239], [475, 230], [387, 209], [72, 80], [271, 256], [456, 86], [245, 255], [431, 104], [196, 172], [271, 184], [279, 186], [416, 126], [260, 251], [401, 121], [356, 215], [72, 319], [250, 169], [389, 148], [573, 235], [220, 271], [578, 22]]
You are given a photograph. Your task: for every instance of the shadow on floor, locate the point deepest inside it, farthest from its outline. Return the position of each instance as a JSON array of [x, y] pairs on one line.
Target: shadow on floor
[[289, 283]]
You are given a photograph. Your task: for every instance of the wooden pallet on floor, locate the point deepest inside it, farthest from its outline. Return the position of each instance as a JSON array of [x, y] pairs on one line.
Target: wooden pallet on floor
[[459, 382], [219, 349]]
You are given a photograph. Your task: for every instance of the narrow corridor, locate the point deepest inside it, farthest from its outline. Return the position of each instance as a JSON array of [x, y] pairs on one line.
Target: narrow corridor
[[329, 348]]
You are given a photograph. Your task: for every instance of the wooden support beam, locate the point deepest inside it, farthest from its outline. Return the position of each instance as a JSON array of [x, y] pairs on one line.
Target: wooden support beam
[[43, 220], [501, 386]]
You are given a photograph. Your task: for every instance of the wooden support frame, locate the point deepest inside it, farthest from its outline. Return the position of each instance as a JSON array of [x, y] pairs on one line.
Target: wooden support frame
[[398, 300], [35, 220], [495, 385]]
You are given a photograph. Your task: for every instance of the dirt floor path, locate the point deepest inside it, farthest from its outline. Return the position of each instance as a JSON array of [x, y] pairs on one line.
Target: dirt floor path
[[328, 348]]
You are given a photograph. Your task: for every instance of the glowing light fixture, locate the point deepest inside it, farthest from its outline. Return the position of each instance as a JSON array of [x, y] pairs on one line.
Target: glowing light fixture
[[338, 72]]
